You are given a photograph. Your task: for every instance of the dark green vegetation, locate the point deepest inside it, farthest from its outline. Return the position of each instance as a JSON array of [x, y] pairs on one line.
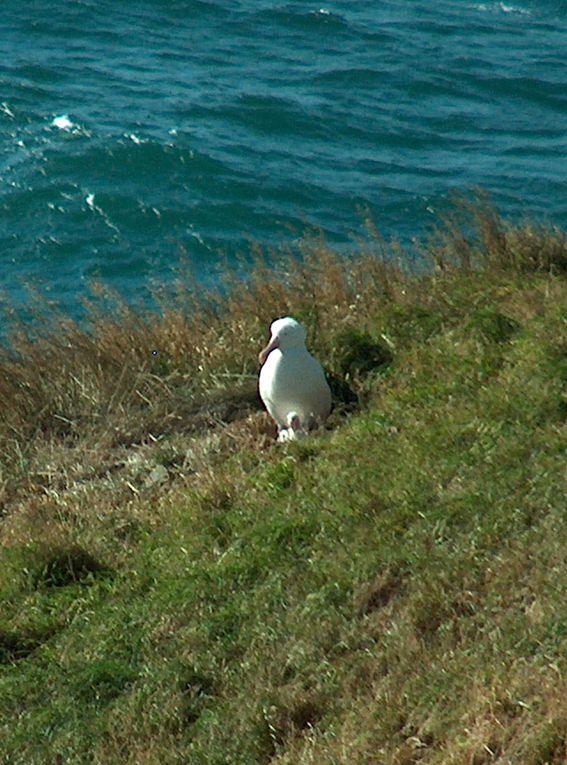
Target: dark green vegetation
[[177, 588]]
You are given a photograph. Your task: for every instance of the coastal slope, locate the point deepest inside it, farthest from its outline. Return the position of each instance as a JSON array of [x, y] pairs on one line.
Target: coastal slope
[[177, 587]]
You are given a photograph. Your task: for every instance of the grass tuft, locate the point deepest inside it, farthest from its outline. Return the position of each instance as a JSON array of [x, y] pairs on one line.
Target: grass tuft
[[492, 326], [358, 353], [15, 646], [62, 566]]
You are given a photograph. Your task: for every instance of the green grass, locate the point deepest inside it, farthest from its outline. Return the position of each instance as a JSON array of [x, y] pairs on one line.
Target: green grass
[[177, 588]]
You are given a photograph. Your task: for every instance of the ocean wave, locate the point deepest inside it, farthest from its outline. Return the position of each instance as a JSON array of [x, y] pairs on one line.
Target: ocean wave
[[195, 125], [297, 18], [505, 8]]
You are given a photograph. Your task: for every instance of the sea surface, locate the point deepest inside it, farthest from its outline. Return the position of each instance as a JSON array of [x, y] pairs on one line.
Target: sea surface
[[135, 137]]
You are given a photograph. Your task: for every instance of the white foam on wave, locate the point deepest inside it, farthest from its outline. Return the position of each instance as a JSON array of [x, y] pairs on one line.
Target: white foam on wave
[[501, 8], [91, 204], [135, 139], [5, 109], [325, 14], [196, 235], [63, 122]]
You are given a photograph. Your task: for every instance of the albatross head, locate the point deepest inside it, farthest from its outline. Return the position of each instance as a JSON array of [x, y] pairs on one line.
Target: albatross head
[[285, 333]]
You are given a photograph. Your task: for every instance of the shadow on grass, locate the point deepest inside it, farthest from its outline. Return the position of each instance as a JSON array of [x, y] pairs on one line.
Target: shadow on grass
[[61, 566], [16, 646]]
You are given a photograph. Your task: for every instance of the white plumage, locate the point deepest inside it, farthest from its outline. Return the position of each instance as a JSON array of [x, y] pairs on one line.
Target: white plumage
[[292, 383]]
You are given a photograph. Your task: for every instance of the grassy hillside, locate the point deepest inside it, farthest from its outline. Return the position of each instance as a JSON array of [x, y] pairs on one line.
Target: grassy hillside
[[178, 588]]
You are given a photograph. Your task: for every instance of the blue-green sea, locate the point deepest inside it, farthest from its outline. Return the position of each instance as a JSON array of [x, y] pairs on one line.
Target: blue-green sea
[[138, 136]]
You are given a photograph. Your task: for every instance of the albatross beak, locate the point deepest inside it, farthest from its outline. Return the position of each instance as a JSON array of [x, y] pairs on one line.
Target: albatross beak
[[264, 353]]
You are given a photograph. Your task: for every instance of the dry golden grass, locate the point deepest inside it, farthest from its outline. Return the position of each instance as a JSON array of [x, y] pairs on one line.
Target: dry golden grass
[[78, 399]]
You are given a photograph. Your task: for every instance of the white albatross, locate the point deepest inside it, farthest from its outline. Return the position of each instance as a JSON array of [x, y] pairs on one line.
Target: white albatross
[[292, 383]]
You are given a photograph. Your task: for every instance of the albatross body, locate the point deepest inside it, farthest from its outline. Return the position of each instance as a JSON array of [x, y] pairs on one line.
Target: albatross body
[[292, 383]]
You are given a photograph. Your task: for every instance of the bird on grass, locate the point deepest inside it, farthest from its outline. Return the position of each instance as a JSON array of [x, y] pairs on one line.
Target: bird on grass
[[292, 383]]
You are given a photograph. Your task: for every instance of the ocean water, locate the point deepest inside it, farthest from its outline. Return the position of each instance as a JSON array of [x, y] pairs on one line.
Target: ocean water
[[137, 136]]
